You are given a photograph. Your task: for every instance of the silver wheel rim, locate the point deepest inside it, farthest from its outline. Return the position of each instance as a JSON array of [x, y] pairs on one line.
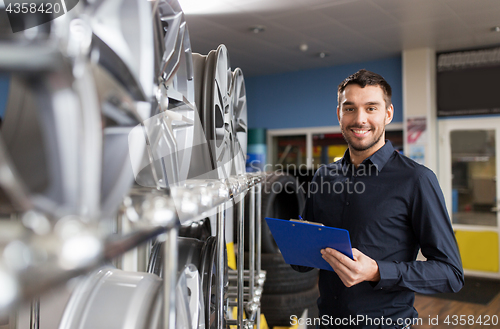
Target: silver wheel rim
[[110, 290], [178, 76], [209, 283], [239, 121], [124, 26], [170, 130], [52, 127], [189, 293], [217, 110], [189, 308]]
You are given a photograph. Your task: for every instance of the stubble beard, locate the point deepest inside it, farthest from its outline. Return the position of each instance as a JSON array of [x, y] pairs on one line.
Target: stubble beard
[[363, 148]]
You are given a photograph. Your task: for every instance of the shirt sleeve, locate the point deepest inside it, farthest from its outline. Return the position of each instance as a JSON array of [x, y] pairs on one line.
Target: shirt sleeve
[[442, 271]]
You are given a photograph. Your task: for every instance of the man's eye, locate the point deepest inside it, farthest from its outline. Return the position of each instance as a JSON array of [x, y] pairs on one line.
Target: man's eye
[[372, 108], [348, 109]]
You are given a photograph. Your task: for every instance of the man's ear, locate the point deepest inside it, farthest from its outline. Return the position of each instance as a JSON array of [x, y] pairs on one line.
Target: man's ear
[[338, 113], [389, 114]]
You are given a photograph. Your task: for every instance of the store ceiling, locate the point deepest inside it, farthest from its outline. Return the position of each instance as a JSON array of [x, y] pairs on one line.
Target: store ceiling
[[348, 30]]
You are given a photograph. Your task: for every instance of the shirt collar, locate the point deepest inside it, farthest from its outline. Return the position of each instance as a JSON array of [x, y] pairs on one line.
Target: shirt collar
[[379, 158]]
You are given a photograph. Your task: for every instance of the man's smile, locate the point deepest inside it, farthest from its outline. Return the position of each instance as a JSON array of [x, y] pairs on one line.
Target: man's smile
[[360, 132]]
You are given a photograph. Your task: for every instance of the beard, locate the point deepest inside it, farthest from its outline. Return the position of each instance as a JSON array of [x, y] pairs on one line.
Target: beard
[[360, 148]]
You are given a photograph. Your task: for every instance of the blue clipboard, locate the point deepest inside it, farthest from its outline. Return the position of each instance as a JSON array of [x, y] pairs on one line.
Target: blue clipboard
[[300, 243]]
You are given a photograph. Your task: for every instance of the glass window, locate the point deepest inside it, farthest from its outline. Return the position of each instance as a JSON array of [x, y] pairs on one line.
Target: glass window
[[290, 150], [327, 148], [473, 177]]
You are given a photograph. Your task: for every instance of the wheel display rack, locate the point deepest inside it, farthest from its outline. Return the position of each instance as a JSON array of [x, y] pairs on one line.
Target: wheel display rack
[[115, 140], [158, 217]]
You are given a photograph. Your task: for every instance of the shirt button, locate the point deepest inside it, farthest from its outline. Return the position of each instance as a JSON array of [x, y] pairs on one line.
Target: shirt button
[[335, 297], [347, 203]]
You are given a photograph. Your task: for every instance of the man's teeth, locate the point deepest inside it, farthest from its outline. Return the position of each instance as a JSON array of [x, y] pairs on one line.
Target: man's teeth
[[360, 131]]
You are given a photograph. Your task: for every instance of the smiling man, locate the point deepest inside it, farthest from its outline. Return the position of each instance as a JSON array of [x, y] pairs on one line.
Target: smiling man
[[399, 210], [363, 113]]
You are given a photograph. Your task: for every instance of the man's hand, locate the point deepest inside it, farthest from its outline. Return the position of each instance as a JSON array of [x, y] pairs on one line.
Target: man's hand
[[352, 272]]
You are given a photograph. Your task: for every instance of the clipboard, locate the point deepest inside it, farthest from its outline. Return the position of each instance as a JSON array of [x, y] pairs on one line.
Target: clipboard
[[300, 243]]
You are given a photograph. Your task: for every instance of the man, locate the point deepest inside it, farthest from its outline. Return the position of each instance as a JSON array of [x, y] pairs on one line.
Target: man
[[392, 207]]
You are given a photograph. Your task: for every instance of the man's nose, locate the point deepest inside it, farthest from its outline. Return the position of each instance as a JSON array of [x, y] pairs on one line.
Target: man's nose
[[361, 117]]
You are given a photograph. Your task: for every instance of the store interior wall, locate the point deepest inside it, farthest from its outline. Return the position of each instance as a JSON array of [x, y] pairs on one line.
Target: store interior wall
[[298, 99], [308, 98], [4, 92]]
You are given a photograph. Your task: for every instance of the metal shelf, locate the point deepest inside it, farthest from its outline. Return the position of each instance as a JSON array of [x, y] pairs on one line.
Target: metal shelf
[[158, 213]]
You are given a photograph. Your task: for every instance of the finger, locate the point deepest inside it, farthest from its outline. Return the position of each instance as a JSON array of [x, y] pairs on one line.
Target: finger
[[330, 262], [344, 263], [331, 257], [343, 274], [345, 260], [336, 264]]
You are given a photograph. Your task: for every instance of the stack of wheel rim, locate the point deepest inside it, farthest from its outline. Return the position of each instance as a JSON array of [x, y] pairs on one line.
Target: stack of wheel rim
[[221, 97], [106, 83], [286, 292]]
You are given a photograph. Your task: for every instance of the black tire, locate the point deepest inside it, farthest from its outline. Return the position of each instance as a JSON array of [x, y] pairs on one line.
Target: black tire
[[279, 308], [282, 198], [281, 278]]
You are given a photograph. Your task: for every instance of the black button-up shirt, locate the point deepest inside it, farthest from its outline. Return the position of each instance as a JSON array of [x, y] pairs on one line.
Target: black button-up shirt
[[391, 206]]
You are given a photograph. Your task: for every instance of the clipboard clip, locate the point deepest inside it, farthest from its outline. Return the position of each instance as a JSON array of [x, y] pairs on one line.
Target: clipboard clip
[[305, 221]]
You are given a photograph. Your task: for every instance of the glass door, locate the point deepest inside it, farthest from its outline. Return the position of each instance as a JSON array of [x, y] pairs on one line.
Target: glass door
[[468, 174]]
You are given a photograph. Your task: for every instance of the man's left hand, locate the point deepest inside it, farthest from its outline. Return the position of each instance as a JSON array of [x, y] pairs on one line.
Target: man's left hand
[[352, 272]]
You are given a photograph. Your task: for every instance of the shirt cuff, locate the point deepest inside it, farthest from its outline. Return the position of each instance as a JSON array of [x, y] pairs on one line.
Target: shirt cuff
[[389, 275]]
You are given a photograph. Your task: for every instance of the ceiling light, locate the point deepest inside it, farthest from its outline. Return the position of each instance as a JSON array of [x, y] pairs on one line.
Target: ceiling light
[[495, 29], [323, 54], [257, 29], [303, 47]]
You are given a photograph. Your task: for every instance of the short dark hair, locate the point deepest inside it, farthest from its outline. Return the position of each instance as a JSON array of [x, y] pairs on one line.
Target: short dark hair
[[364, 77]]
